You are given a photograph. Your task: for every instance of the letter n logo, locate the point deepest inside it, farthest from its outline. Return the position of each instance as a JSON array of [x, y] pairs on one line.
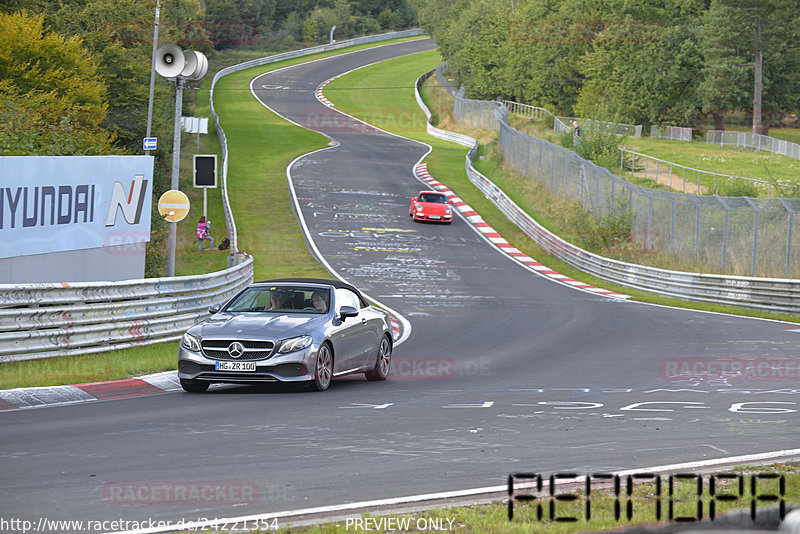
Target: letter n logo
[[131, 202]]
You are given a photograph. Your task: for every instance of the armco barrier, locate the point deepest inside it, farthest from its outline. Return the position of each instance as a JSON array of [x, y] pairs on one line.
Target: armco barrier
[[773, 294], [229, 220], [59, 319]]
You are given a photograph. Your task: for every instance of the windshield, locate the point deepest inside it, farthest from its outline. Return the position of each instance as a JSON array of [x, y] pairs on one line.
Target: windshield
[[431, 197], [281, 299]]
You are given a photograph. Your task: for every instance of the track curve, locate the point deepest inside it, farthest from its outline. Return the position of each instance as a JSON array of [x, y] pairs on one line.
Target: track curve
[[504, 371]]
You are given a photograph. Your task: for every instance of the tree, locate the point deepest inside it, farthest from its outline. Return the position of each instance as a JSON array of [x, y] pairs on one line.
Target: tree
[[751, 57], [52, 98], [642, 66]]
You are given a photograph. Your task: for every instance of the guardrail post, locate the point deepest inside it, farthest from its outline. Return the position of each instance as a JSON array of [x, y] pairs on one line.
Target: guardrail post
[[724, 231], [696, 229], [789, 227], [672, 223], [757, 217]]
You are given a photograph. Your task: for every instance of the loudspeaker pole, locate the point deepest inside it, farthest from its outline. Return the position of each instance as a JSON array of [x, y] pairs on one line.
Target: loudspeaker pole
[[176, 170], [153, 74]]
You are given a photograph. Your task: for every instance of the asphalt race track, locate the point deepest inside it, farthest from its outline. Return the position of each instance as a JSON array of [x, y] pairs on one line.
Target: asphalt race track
[[504, 371]]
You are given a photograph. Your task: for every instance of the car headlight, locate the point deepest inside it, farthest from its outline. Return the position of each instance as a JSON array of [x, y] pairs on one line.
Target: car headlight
[[448, 211], [419, 208], [190, 342], [295, 343]]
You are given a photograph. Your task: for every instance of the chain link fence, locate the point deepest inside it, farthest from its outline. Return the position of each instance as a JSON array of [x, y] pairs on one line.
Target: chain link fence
[[616, 128], [751, 140], [749, 236], [673, 133]]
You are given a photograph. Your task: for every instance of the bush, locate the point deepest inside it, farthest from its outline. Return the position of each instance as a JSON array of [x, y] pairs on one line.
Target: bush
[[600, 148]]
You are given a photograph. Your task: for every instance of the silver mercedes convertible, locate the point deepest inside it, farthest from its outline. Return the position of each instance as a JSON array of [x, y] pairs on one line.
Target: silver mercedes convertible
[[298, 330]]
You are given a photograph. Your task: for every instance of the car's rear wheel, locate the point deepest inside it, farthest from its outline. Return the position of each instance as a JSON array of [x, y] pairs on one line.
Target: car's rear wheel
[[323, 372], [194, 386], [383, 362]]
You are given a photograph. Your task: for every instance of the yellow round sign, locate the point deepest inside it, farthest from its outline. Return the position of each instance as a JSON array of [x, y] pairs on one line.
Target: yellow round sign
[[173, 205]]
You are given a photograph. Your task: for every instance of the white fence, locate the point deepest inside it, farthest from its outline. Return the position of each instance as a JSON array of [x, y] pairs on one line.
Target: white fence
[[673, 133], [774, 294], [59, 319], [755, 141]]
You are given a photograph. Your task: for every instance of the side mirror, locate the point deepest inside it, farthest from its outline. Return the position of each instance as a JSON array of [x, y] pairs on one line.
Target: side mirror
[[413, 199], [214, 309], [347, 311]]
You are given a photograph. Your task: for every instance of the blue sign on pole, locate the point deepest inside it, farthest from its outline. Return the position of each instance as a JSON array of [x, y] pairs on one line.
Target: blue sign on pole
[[150, 143]]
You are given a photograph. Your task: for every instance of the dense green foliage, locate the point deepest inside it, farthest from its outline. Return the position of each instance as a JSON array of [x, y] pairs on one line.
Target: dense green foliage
[[635, 61], [52, 99]]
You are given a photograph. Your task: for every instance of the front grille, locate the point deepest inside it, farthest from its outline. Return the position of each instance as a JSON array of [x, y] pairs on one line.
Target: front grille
[[217, 349]]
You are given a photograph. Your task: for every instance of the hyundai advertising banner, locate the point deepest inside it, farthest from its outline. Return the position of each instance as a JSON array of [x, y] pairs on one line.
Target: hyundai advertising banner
[[63, 203]]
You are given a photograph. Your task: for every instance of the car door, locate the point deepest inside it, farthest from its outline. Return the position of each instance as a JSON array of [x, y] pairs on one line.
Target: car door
[[352, 336]]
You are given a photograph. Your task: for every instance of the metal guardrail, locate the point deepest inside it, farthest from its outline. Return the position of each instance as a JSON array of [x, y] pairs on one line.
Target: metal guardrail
[[229, 220], [773, 294], [755, 141], [60, 319]]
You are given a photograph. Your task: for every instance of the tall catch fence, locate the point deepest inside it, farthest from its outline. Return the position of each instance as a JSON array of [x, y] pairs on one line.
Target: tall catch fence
[[749, 236]]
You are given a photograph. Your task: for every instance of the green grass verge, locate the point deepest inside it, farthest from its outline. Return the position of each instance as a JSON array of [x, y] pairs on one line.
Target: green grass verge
[[261, 145], [388, 86], [480, 519]]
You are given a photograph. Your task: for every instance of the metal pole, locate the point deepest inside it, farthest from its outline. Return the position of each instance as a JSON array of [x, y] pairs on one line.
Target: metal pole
[[176, 168], [332, 28], [152, 73]]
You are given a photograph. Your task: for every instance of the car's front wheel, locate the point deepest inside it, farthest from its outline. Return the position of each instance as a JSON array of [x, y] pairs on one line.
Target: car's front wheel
[[323, 372], [383, 362], [194, 386]]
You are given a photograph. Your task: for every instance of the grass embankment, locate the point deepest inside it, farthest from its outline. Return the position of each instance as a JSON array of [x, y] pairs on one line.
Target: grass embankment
[[493, 518], [261, 145], [388, 86]]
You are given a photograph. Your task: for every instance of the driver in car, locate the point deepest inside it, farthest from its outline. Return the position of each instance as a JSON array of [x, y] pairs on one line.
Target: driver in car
[[319, 301]]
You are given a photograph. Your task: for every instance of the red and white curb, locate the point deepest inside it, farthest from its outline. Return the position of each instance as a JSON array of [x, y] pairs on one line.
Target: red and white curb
[[321, 97], [421, 172], [21, 398]]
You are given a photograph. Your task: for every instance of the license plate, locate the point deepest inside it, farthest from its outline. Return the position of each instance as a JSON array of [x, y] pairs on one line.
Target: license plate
[[236, 366], [434, 217]]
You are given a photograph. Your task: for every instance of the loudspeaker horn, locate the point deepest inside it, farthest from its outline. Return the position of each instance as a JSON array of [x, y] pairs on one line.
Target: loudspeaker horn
[[190, 62], [201, 68], [169, 61]]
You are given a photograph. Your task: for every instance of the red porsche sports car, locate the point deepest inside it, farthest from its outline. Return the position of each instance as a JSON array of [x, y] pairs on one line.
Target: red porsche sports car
[[431, 206]]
